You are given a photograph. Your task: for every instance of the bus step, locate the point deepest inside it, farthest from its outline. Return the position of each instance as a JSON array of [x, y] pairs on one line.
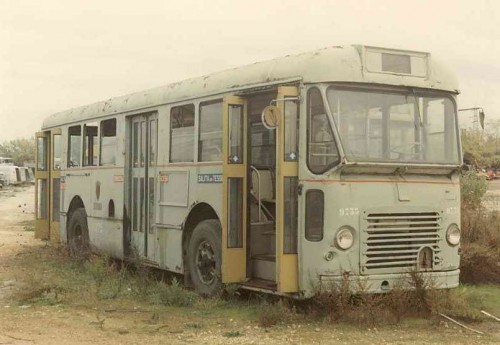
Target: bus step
[[260, 284], [262, 223], [264, 257], [269, 233], [264, 267]]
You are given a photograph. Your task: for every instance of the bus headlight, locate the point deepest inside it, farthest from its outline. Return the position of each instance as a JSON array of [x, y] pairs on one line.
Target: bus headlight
[[453, 235], [344, 239]]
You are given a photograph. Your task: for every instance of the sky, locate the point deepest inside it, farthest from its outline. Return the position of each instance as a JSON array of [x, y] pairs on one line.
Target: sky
[[59, 54]]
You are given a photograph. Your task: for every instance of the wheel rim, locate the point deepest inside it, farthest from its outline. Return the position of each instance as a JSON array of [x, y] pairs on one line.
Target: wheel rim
[[205, 262]]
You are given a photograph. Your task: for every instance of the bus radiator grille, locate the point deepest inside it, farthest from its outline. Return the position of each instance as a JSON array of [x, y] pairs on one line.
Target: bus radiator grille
[[392, 241]]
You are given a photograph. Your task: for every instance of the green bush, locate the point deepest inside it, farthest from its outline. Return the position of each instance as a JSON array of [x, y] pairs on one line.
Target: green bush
[[473, 188]]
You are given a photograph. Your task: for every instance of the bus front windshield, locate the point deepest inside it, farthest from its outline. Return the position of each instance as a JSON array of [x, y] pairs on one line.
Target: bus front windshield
[[395, 126]]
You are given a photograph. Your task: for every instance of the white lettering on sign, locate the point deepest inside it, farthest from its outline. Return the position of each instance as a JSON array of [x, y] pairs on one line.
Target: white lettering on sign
[[348, 211]]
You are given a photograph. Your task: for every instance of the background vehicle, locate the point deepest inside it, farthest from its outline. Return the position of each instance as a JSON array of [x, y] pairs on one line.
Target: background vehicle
[[6, 161], [281, 176], [12, 174]]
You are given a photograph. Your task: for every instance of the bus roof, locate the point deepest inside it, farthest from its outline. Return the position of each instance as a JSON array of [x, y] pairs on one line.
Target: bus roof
[[333, 64]]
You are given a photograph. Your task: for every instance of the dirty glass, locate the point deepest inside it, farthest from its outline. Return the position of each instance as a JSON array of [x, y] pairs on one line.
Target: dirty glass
[[56, 197], [322, 150], [151, 205], [395, 126], [291, 130], [41, 149], [42, 204], [182, 133], [143, 143], [135, 145], [56, 151], [235, 134], [210, 143], [153, 142], [90, 144], [135, 191], [108, 142], [290, 215], [235, 207], [75, 146], [315, 204]]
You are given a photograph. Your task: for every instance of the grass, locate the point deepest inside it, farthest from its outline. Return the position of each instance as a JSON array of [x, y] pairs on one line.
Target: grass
[[102, 286]]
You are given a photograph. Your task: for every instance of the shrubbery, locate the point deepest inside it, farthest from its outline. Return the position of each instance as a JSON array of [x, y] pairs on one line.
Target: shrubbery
[[480, 243]]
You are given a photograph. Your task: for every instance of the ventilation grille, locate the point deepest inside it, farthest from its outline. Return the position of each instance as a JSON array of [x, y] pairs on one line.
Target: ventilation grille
[[393, 240]]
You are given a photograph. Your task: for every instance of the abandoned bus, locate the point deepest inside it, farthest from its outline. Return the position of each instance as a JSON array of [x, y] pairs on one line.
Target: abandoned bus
[[281, 176]]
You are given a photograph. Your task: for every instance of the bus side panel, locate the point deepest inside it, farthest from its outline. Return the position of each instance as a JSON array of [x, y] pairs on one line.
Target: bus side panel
[[181, 188], [104, 212]]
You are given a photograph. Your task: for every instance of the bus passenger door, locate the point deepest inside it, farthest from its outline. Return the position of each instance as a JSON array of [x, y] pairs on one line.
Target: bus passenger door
[[48, 185], [287, 189], [142, 167], [55, 183], [42, 180], [234, 190]]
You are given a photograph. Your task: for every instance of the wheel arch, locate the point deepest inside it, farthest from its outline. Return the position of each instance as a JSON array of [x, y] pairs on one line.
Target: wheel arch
[[75, 203], [199, 212]]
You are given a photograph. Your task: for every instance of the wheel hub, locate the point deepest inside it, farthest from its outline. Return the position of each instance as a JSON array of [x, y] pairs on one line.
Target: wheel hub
[[205, 262]]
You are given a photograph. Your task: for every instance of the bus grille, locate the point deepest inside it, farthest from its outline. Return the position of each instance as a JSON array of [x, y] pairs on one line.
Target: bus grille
[[392, 241]]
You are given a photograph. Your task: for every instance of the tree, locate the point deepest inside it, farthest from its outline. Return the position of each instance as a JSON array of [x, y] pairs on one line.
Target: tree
[[482, 147], [20, 150]]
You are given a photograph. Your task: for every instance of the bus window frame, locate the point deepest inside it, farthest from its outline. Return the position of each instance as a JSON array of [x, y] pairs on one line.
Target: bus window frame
[[91, 157], [69, 146], [418, 92], [198, 118], [321, 89], [194, 155], [101, 131]]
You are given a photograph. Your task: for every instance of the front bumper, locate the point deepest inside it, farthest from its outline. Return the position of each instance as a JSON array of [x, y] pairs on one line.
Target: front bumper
[[380, 283]]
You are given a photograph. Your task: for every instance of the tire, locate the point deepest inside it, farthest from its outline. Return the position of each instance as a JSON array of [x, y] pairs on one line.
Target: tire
[[205, 258], [78, 234]]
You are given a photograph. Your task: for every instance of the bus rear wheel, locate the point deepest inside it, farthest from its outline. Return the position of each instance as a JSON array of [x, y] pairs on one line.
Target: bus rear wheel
[[204, 258], [78, 234]]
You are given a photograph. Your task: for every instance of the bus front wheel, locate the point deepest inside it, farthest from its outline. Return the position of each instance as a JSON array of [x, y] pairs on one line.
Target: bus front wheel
[[204, 258], [78, 234]]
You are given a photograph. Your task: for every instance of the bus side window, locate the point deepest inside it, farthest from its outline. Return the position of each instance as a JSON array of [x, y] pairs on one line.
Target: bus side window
[[182, 133], [90, 144], [108, 142], [210, 140], [74, 146], [56, 151]]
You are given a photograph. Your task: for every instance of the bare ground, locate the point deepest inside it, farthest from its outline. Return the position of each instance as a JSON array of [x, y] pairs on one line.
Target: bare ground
[[126, 321]]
